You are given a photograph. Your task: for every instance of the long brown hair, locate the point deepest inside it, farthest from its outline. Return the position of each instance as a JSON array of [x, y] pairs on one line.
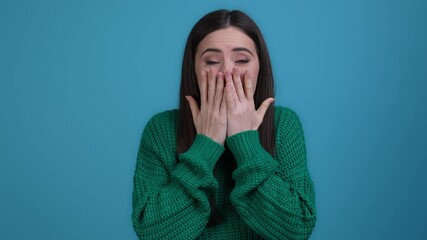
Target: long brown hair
[[265, 85]]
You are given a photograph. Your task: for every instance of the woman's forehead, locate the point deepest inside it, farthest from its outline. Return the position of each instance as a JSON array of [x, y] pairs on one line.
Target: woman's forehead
[[226, 39]]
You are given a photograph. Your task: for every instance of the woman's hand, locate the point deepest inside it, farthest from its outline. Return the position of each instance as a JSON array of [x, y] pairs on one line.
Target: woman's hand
[[241, 112], [211, 119]]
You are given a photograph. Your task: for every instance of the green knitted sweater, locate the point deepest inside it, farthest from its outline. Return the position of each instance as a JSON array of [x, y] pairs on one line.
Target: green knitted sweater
[[263, 197]]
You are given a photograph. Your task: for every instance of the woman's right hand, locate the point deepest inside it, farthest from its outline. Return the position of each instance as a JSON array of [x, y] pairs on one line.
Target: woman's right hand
[[211, 119]]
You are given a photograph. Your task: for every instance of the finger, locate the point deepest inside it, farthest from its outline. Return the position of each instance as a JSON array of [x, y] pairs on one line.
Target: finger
[[230, 92], [211, 85], [219, 90], [223, 107], [238, 84], [203, 88], [247, 83], [264, 106], [193, 107]]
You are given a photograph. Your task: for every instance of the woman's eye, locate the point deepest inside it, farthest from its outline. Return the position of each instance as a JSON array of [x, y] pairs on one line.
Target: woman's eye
[[211, 62], [243, 61]]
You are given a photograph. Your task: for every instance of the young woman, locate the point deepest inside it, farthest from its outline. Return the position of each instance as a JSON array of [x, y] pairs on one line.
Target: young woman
[[227, 164]]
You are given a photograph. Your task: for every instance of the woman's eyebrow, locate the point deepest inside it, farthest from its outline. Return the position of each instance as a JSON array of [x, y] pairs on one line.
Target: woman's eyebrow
[[211, 50], [242, 49], [238, 49]]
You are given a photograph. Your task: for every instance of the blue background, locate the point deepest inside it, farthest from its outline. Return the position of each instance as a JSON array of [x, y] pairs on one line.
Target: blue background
[[80, 79]]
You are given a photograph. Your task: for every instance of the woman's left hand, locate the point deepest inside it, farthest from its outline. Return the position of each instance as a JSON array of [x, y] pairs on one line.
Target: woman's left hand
[[241, 112]]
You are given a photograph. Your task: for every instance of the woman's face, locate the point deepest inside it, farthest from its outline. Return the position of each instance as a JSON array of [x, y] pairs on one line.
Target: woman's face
[[226, 49]]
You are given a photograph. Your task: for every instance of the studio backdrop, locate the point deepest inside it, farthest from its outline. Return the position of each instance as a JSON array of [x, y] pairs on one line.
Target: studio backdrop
[[80, 79]]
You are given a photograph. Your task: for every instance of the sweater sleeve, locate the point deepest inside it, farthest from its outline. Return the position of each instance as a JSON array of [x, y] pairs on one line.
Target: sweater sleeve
[[275, 197], [170, 195]]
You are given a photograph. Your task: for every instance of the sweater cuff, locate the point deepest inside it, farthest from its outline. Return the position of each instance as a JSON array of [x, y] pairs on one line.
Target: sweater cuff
[[246, 146], [204, 147]]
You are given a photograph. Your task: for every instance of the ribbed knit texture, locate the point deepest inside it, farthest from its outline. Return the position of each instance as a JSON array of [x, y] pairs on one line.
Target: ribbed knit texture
[[270, 198]]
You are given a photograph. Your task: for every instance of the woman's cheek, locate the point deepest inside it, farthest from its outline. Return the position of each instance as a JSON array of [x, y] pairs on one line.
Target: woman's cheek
[[253, 75]]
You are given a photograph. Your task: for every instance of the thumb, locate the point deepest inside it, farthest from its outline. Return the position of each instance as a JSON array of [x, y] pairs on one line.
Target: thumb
[[264, 106], [193, 107]]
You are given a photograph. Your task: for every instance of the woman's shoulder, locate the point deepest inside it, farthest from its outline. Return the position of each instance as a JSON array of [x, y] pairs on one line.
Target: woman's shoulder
[[282, 113], [163, 123], [159, 137], [286, 121], [164, 117]]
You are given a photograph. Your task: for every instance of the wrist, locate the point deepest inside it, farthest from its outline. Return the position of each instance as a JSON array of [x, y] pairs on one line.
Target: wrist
[[217, 139], [232, 132]]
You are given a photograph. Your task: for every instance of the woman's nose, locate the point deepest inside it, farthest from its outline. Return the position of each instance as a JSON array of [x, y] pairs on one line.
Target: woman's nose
[[226, 65]]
